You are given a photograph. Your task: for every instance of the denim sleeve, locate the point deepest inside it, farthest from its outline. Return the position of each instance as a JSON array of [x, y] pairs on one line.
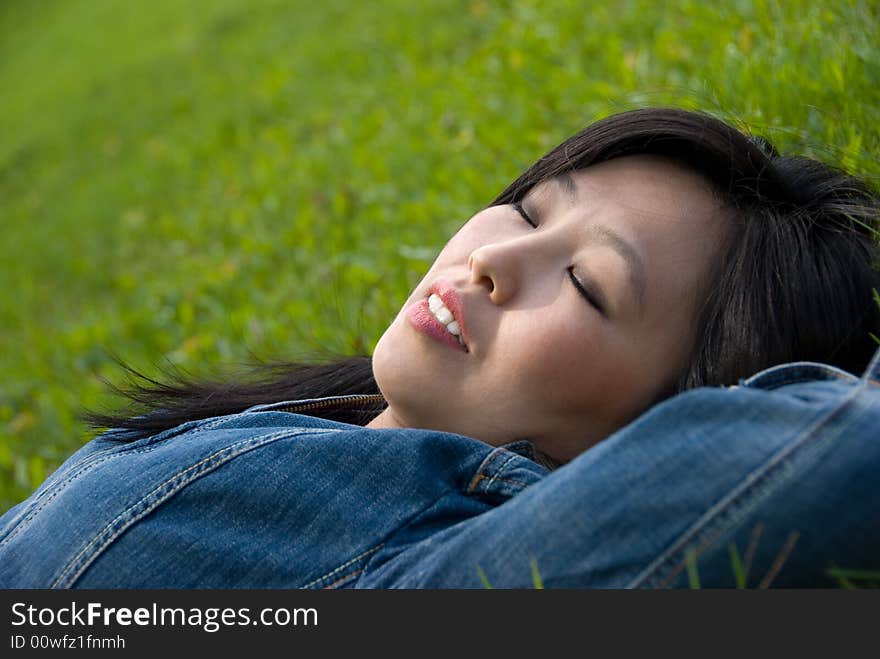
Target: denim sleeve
[[769, 483]]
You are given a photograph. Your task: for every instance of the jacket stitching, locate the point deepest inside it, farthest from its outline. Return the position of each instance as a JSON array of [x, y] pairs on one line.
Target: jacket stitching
[[89, 463], [479, 476], [406, 524], [724, 514], [500, 469], [720, 513], [345, 565], [183, 478], [796, 378], [59, 487], [345, 579], [86, 464]]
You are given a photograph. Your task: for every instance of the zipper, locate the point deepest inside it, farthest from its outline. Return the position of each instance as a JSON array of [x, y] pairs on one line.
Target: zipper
[[325, 403]]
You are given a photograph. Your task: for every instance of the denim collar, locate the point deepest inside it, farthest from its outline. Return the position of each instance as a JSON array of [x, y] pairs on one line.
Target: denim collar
[[795, 372]]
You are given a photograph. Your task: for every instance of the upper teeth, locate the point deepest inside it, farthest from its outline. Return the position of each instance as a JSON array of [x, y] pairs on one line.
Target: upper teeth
[[444, 315]]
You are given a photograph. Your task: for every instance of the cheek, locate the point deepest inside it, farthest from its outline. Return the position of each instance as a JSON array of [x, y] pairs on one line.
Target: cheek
[[558, 360], [486, 226], [573, 366]]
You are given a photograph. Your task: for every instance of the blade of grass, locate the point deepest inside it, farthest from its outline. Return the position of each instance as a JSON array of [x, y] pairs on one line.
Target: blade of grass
[[536, 576], [738, 574], [845, 583], [842, 577], [484, 578], [781, 557], [750, 550], [844, 573], [690, 559]]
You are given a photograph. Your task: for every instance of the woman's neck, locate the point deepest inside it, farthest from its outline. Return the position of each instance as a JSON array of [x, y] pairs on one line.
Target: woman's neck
[[386, 419]]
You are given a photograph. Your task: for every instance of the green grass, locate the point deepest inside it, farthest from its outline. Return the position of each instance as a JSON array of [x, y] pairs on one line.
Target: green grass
[[198, 181], [845, 578]]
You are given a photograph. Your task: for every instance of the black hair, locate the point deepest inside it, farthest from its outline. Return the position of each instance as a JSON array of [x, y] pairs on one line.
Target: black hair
[[796, 280]]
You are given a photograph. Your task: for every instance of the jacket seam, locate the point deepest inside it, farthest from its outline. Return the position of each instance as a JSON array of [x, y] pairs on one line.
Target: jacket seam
[[370, 553], [347, 564], [159, 495], [721, 516], [91, 461], [343, 580], [480, 475], [496, 455], [797, 378], [86, 464], [74, 473], [407, 524]]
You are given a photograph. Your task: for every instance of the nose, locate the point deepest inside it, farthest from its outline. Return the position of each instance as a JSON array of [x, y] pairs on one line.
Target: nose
[[497, 268]]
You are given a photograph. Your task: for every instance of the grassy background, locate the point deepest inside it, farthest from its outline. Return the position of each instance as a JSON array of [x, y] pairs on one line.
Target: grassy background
[[199, 181]]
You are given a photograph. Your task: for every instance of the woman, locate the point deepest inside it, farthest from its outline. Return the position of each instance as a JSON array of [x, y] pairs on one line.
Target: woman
[[656, 251]]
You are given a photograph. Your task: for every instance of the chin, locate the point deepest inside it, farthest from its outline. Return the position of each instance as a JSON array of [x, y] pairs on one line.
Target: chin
[[387, 358]]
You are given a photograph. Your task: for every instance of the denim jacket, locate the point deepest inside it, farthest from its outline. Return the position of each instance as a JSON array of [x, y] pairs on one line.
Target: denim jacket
[[782, 469], [261, 499]]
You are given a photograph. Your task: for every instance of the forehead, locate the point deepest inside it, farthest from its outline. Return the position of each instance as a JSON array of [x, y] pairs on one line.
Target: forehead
[[643, 184]]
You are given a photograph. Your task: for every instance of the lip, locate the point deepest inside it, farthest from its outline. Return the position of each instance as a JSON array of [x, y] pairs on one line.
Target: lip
[[420, 316], [446, 292]]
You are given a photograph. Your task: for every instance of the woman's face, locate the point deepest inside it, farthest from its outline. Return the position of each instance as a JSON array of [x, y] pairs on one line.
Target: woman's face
[[572, 327]]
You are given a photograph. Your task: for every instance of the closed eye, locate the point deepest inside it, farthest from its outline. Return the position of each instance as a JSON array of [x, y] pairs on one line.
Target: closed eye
[[588, 292], [522, 211]]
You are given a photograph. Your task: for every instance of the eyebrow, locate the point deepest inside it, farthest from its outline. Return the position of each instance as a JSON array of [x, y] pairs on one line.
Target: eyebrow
[[611, 238]]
